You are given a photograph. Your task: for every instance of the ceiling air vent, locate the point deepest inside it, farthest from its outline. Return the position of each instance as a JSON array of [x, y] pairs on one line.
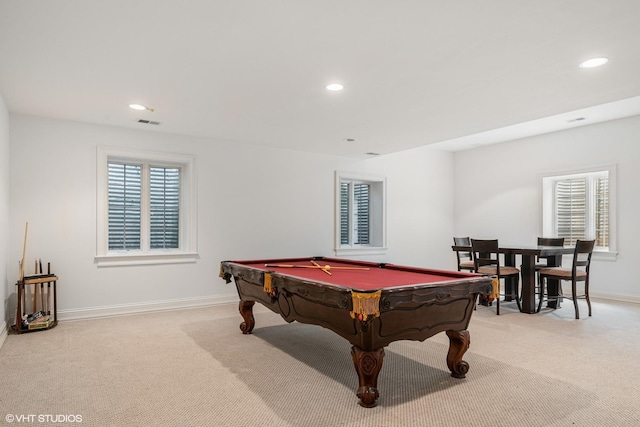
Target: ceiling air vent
[[148, 122]]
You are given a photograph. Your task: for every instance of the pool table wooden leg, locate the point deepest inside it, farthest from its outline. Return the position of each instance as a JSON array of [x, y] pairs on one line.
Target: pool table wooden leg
[[458, 345], [368, 365], [246, 311]]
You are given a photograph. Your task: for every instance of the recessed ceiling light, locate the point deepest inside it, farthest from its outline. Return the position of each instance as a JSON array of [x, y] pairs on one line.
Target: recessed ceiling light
[[140, 107], [334, 87], [594, 62]]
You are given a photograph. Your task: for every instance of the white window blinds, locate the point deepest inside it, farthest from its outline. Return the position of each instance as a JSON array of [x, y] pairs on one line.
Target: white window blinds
[[124, 194], [582, 209], [602, 212], [128, 201], [354, 213], [571, 205], [164, 207]]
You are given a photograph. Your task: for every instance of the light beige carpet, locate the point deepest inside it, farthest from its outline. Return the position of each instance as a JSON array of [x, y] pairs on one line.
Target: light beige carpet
[[195, 368]]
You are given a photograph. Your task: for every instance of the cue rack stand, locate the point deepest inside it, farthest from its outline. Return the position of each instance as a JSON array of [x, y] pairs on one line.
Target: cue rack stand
[[37, 305]]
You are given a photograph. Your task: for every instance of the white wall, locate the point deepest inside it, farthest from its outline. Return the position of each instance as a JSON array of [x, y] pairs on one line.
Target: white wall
[[498, 192], [4, 216], [420, 207], [253, 202], [259, 202]]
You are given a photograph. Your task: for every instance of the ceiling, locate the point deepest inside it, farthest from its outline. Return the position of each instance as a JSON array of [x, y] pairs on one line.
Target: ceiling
[[452, 74]]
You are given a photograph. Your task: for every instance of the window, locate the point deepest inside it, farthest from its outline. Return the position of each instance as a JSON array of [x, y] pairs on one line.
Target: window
[[360, 214], [146, 208], [124, 191], [581, 205], [354, 213]]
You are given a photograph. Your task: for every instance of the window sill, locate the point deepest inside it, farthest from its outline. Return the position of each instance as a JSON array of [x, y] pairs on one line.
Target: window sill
[[604, 255], [135, 259], [360, 251]]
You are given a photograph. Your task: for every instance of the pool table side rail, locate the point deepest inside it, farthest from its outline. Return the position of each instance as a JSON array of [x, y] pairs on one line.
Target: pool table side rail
[[259, 266]]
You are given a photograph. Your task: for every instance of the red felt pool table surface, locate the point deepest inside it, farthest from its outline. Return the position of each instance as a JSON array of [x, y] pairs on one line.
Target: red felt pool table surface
[[356, 275]]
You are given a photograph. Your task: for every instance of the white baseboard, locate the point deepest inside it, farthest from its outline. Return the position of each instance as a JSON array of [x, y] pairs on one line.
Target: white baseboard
[[146, 307], [615, 297]]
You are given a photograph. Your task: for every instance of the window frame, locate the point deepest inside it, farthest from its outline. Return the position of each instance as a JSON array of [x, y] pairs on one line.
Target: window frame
[[548, 204], [377, 210], [187, 250]]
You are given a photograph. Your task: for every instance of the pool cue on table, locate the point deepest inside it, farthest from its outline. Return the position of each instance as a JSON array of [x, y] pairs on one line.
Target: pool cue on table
[[289, 266], [313, 266], [325, 269]]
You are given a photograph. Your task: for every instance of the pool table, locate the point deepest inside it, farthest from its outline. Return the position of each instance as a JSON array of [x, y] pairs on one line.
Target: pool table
[[369, 304]]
